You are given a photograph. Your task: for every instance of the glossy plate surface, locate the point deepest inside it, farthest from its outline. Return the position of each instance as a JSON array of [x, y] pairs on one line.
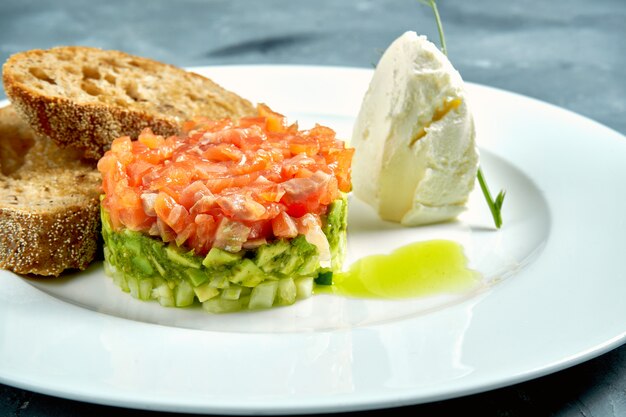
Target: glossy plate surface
[[551, 297]]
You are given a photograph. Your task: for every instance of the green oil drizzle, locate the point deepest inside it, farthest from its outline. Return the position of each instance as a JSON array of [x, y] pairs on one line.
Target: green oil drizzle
[[415, 270]]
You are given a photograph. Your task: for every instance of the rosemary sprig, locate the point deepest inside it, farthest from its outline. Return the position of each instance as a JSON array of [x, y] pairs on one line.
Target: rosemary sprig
[[433, 5], [495, 206]]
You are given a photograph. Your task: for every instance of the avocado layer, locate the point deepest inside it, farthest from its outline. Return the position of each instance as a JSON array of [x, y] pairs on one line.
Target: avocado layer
[[276, 273]]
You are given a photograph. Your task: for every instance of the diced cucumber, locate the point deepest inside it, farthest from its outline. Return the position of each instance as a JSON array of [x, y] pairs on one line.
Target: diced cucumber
[[158, 281], [120, 280], [205, 292], [145, 288], [109, 257], [287, 291], [220, 281], [133, 285], [164, 295], [109, 268], [183, 294], [231, 293], [220, 305], [276, 273], [106, 252], [304, 287], [253, 280], [263, 295]]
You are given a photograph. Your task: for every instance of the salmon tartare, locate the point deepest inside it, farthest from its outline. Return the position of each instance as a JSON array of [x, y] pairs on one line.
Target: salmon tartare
[[235, 214]]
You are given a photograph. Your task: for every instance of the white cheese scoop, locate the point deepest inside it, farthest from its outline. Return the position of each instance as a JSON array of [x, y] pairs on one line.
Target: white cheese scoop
[[415, 156]]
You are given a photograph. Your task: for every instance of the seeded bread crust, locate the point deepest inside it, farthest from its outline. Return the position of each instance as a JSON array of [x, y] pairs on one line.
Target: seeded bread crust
[[49, 203], [86, 97]]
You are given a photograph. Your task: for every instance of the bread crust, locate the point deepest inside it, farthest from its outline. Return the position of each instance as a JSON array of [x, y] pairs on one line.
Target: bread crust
[[91, 125], [88, 127], [49, 243], [95, 98], [49, 203]]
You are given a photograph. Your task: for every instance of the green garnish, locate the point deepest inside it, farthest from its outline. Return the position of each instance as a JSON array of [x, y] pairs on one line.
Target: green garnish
[[495, 206], [324, 278], [433, 5]]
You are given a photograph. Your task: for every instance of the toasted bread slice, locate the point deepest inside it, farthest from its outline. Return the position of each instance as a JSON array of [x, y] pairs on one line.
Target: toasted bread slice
[[49, 203], [86, 97]]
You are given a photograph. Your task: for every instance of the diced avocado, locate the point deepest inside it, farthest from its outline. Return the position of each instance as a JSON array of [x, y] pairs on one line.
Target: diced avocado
[[177, 256], [310, 266], [276, 273], [157, 265], [205, 292], [263, 295], [307, 256], [336, 211], [218, 257], [197, 276], [291, 264], [133, 245], [289, 261], [106, 225], [266, 253], [246, 273], [335, 228], [300, 245], [142, 265]]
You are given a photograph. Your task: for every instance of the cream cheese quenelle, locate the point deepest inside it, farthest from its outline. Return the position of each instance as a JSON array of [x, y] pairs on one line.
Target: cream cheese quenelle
[[416, 158]]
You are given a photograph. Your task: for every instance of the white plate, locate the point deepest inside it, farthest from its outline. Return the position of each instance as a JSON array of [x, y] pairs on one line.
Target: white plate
[[553, 293]]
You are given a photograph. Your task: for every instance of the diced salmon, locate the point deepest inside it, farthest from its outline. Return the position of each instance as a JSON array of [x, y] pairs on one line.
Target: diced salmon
[[224, 183]]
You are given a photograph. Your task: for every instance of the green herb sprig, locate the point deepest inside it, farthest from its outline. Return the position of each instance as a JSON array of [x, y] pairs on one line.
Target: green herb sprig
[[495, 206]]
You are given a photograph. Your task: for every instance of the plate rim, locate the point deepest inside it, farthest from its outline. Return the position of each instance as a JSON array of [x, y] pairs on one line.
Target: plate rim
[[407, 398]]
